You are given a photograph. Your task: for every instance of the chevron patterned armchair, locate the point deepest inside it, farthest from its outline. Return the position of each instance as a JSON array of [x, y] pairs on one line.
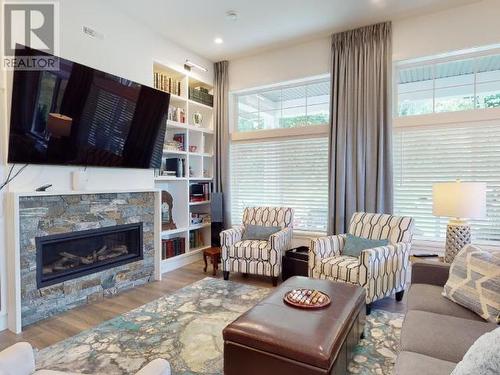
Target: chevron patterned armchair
[[381, 270], [257, 257]]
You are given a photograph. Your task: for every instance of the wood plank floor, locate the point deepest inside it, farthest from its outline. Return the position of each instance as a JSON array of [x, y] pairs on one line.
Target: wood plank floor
[[52, 330]]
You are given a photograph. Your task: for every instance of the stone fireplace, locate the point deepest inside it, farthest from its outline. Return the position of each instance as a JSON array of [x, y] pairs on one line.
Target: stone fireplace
[[77, 248]]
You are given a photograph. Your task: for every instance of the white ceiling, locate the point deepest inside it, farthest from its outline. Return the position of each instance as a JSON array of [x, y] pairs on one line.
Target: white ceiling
[[265, 24]]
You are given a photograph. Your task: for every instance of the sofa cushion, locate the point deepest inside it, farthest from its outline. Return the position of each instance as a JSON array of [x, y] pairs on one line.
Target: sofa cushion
[[343, 268], [426, 297], [482, 357], [474, 281], [440, 336], [409, 363]]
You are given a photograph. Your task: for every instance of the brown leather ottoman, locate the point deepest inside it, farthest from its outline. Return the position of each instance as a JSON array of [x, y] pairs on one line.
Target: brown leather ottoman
[[273, 338]]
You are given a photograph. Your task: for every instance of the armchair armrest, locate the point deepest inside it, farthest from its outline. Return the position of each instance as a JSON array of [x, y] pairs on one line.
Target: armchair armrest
[[229, 237], [281, 241], [429, 272], [324, 247], [156, 367], [374, 263], [18, 359]]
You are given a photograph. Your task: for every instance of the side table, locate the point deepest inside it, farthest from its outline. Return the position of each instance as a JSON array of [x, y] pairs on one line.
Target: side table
[[295, 262], [214, 253]]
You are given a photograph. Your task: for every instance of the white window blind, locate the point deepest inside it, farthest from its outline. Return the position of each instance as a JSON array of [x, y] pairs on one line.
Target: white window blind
[[426, 154], [284, 172]]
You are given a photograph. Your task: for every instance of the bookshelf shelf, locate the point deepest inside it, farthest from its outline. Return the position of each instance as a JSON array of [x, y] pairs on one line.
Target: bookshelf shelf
[[199, 203], [173, 231], [199, 226], [174, 152], [170, 178], [181, 132]]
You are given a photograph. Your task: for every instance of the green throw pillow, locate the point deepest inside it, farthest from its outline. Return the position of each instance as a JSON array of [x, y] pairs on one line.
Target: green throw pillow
[[355, 245], [259, 232]]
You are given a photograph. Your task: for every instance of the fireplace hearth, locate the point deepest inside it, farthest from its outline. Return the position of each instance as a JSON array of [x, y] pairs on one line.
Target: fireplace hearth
[[66, 256]]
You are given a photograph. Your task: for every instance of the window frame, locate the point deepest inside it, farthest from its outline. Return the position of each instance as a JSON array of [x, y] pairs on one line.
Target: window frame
[[473, 53], [303, 132]]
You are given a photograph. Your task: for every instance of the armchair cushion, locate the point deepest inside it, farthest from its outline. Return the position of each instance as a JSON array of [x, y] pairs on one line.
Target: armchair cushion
[[354, 245], [259, 232], [250, 249], [343, 268]]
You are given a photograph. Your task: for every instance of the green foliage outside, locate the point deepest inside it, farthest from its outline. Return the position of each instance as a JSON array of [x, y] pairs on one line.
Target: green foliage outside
[[449, 105], [245, 125]]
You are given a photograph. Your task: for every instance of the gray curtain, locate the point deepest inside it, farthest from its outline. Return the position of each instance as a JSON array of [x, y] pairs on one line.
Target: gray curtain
[[360, 175], [221, 118]]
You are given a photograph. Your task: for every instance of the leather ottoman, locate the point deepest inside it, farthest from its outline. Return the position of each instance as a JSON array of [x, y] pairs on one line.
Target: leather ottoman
[[273, 338]]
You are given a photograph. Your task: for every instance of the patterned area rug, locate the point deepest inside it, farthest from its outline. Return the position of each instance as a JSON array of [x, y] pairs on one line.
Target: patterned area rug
[[185, 328]]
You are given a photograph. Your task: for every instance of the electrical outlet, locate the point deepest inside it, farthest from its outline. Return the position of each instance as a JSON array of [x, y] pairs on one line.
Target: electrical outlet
[[92, 32]]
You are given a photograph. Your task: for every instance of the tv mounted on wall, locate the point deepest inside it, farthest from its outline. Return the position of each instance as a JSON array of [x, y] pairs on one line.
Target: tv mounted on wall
[[78, 115]]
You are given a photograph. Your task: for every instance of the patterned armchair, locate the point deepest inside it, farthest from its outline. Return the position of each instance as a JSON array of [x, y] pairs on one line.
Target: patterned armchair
[[257, 257], [381, 270]]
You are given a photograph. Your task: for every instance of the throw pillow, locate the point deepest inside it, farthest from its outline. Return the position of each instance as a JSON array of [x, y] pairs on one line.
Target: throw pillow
[[482, 357], [258, 232], [474, 281], [353, 245]]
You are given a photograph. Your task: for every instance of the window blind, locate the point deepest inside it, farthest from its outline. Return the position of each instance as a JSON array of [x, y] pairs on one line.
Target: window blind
[[286, 172], [427, 154]]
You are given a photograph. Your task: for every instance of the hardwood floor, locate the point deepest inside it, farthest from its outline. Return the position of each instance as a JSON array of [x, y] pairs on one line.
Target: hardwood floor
[[70, 323]]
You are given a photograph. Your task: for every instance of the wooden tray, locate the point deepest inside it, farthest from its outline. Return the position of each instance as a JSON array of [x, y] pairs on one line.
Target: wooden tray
[[307, 299]]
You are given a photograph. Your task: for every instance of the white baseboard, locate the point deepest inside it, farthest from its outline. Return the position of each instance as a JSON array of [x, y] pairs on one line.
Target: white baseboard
[[174, 263], [3, 322]]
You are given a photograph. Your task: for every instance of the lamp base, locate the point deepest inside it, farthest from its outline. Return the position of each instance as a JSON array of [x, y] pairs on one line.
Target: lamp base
[[458, 234]]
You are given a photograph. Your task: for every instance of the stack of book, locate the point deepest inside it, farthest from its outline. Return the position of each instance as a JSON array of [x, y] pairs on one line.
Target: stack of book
[[165, 83], [199, 192], [195, 239], [172, 247]]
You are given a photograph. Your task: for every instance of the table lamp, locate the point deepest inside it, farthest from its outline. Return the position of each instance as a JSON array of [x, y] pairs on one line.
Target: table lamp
[[459, 201]]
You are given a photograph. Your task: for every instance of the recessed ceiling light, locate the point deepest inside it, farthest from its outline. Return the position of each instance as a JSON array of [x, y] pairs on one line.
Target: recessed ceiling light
[[218, 41]]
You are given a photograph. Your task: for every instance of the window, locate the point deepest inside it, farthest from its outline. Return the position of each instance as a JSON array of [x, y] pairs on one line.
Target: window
[[285, 107], [448, 85], [427, 154], [289, 169]]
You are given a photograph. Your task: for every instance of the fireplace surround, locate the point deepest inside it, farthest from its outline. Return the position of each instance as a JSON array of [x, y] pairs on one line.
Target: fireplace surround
[[67, 256], [84, 273]]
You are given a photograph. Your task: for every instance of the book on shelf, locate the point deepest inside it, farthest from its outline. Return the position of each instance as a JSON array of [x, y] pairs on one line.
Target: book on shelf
[[168, 84], [199, 192], [172, 247], [196, 239], [180, 138]]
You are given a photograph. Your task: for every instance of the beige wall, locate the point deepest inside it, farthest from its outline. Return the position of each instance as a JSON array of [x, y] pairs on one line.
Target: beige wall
[[458, 28]]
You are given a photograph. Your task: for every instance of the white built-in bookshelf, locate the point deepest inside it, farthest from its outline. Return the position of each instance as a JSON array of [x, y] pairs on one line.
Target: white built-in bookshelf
[[197, 154]]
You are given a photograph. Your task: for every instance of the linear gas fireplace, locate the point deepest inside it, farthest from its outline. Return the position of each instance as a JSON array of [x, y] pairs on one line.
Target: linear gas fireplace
[[67, 256]]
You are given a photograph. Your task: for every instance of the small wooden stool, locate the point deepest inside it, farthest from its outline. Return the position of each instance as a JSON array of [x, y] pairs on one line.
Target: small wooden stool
[[214, 253]]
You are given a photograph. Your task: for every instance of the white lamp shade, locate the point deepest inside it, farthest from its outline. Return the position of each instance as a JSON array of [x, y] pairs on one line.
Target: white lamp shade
[[464, 200]]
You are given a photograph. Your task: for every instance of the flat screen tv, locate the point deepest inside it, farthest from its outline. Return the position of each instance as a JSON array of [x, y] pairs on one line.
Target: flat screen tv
[[77, 115]]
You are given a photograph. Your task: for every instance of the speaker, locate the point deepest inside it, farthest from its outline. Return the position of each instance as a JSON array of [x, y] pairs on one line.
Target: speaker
[[217, 216]]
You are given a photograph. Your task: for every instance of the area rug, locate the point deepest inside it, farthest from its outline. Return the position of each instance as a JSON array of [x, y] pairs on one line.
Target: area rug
[[186, 329]]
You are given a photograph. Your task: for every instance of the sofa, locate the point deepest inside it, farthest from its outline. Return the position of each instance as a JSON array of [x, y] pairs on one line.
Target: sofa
[[19, 359], [436, 332]]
